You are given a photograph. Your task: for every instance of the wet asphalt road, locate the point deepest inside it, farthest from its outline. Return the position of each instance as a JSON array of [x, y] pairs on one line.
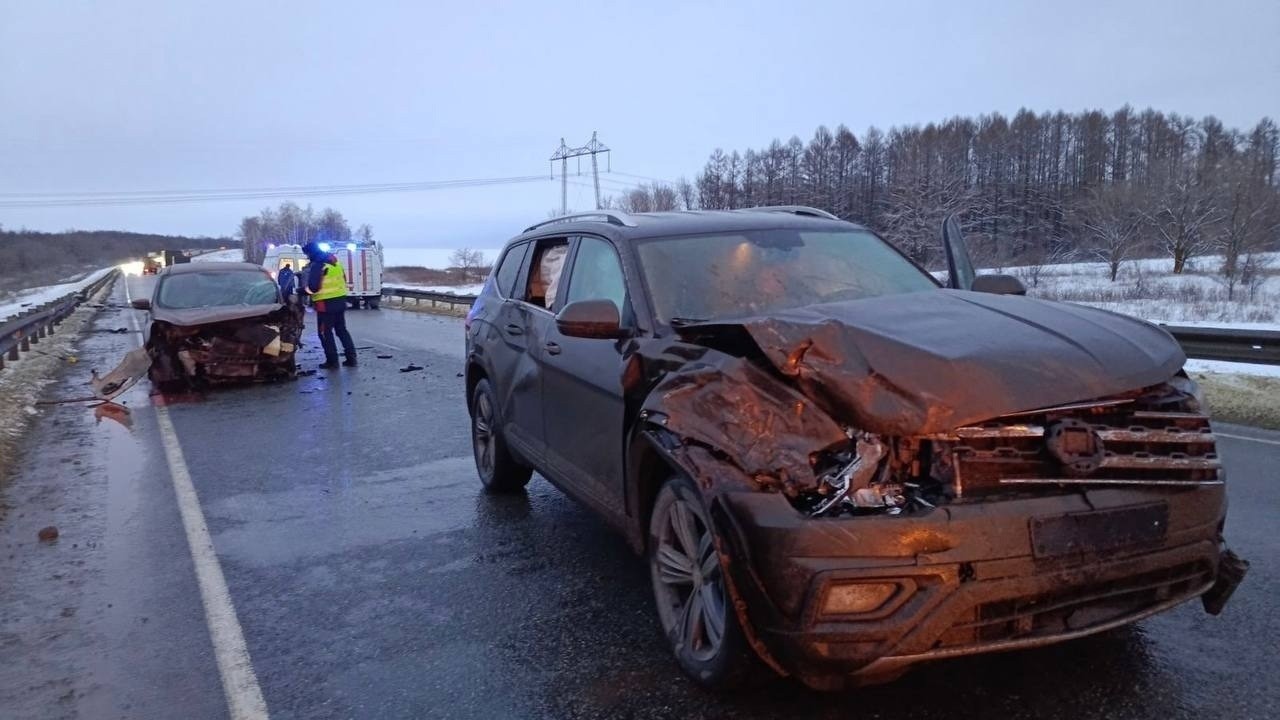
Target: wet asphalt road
[[372, 579]]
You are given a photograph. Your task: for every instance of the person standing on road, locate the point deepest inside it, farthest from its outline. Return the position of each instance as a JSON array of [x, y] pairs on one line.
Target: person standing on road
[[288, 282], [327, 285]]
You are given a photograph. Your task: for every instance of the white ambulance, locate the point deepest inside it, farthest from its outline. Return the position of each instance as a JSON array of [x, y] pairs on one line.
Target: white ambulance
[[361, 262]]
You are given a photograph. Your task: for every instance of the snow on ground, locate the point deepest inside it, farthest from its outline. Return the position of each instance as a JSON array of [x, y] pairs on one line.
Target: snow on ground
[[1230, 368], [434, 258], [1148, 289], [31, 297], [230, 255], [448, 289]]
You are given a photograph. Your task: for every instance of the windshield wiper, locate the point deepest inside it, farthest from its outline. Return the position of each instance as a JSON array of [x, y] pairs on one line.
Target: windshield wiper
[[683, 321]]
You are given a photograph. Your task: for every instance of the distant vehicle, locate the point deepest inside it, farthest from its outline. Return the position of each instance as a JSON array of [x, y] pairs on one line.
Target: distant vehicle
[[215, 323], [362, 264], [280, 255], [175, 257], [837, 466], [150, 265]]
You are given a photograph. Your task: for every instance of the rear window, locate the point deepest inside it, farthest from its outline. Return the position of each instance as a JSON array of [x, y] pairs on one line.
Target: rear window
[[504, 276], [216, 289], [711, 277]]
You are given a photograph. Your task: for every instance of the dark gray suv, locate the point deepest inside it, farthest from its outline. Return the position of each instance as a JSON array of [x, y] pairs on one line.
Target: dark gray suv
[[837, 466]]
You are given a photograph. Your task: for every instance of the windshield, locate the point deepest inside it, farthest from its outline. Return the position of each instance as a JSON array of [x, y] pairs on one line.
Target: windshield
[[713, 277], [214, 289]]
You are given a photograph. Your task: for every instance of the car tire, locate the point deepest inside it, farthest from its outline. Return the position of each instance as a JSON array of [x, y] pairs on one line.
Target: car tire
[[498, 470], [694, 608], [373, 303]]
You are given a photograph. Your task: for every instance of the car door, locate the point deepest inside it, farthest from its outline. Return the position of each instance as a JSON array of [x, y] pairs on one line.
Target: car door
[[524, 323], [960, 272], [582, 401], [504, 347]]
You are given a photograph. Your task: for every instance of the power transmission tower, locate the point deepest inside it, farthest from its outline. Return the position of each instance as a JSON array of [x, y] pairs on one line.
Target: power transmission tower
[[563, 153]]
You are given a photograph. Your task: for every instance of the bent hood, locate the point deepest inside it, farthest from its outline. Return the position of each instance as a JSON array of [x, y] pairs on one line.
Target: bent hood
[[928, 362]]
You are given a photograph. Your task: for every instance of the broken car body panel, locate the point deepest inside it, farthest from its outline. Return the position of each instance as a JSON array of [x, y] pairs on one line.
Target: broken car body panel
[[929, 362], [228, 326]]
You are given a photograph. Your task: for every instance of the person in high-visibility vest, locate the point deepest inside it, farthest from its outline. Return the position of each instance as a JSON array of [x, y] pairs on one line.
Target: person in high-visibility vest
[[327, 286]]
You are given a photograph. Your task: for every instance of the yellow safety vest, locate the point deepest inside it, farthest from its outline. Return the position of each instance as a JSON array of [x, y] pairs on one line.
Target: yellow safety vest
[[332, 285]]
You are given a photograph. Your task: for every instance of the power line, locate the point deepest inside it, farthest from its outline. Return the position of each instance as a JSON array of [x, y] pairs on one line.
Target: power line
[[643, 177], [563, 153], [156, 197]]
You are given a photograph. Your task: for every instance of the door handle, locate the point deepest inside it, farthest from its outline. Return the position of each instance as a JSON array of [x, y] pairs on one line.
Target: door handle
[[552, 348], [513, 329]]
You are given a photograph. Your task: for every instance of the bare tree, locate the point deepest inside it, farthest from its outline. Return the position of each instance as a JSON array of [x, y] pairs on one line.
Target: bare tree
[[1113, 224], [1181, 211], [1036, 261], [1254, 273], [654, 197], [470, 262], [1250, 220], [688, 195]]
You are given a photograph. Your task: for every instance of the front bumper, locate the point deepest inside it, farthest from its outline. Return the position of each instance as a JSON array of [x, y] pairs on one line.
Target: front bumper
[[969, 579]]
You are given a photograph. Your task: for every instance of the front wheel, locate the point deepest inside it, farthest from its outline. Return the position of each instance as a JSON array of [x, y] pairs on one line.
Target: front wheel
[[498, 470], [689, 587]]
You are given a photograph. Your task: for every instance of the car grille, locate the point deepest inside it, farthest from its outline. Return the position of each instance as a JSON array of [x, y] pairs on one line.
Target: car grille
[[1113, 442], [1074, 609]]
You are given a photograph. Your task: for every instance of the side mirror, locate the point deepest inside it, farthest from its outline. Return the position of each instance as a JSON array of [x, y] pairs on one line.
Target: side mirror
[[597, 319], [999, 285], [141, 304]]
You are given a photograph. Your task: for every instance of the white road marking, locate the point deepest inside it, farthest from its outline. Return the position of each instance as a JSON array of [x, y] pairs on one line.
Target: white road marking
[[239, 681], [1246, 438]]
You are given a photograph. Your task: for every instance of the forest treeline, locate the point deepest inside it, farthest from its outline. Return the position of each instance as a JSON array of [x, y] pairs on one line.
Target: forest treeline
[[1036, 187], [29, 258], [293, 224]]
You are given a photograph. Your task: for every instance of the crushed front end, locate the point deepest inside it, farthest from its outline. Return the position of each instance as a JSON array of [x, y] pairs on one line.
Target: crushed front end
[[259, 348], [1025, 530]]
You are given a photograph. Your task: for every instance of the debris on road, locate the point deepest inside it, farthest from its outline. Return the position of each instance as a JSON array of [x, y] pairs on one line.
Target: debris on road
[[48, 534], [114, 411], [130, 370], [385, 357], [410, 368]]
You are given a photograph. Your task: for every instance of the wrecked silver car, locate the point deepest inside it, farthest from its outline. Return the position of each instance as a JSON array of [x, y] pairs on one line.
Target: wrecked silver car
[[215, 323], [836, 467]]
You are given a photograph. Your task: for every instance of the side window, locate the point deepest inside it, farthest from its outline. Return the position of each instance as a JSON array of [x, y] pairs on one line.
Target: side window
[[504, 276], [545, 272], [597, 274]]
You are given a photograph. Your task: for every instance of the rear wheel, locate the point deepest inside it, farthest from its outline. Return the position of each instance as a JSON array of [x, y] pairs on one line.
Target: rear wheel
[[498, 470], [689, 587]]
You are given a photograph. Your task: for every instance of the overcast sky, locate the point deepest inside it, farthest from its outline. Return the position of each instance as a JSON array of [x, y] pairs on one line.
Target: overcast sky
[[118, 96]]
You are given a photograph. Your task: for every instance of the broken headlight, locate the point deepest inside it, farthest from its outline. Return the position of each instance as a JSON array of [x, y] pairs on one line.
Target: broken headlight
[[1190, 388], [855, 479]]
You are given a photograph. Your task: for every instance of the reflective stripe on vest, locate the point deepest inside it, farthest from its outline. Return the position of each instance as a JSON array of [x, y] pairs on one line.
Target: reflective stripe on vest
[[332, 285]]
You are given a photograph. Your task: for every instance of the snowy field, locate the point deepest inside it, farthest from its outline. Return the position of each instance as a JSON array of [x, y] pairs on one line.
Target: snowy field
[[229, 255], [1149, 290], [434, 258], [448, 289], [15, 303]]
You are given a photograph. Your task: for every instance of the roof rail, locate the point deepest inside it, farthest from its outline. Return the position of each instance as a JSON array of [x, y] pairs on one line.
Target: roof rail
[[613, 217], [794, 210]]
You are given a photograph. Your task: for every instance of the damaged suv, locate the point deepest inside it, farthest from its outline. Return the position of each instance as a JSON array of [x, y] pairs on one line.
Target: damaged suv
[[836, 466]]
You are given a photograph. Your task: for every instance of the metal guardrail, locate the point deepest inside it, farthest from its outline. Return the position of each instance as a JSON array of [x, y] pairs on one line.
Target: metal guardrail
[[1229, 344], [20, 332], [1201, 343], [436, 298]]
